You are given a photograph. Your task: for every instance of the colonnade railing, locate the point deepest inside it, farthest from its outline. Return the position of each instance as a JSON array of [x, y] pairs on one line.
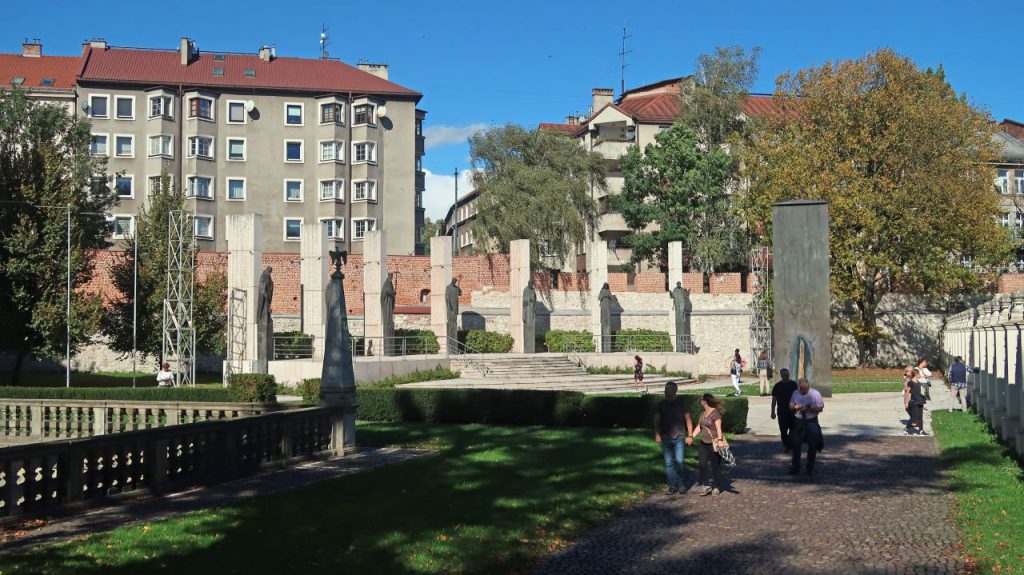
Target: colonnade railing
[[989, 339]]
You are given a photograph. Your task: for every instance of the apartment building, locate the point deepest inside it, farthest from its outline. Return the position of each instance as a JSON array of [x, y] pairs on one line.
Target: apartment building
[[293, 139], [458, 221], [49, 79]]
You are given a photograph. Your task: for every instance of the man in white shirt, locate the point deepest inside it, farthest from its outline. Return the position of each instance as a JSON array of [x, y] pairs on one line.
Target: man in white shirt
[[806, 404]]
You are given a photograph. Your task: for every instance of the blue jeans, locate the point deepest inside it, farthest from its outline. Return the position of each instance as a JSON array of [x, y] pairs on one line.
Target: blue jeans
[[674, 450]]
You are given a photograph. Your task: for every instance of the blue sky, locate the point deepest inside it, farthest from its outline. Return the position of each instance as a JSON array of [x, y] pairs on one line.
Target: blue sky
[[528, 61]]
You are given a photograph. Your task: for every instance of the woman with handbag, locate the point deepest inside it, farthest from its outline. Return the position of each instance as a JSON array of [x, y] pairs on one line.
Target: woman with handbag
[[711, 439], [735, 369]]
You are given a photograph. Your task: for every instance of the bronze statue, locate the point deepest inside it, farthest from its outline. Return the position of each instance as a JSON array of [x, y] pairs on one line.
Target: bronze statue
[[264, 320], [529, 318], [681, 308], [387, 313], [605, 300], [451, 302]]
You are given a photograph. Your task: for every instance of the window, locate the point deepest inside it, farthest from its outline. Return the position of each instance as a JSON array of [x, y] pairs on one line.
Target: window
[[200, 187], [124, 185], [364, 191], [332, 151], [419, 199], [364, 152], [17, 80], [419, 126], [204, 227], [293, 190], [236, 112], [124, 146], [121, 226], [1018, 177], [250, 72], [293, 150], [160, 145], [200, 147], [332, 113], [419, 163], [160, 107], [293, 114], [200, 107], [362, 225], [425, 296], [363, 114], [236, 188], [292, 229], [154, 182], [332, 190], [1005, 220], [99, 106], [1002, 183], [46, 82], [218, 71], [98, 145], [236, 149], [335, 228], [124, 107]]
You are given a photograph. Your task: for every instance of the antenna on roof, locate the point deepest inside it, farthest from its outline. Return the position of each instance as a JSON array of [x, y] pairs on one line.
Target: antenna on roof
[[622, 62], [324, 41]]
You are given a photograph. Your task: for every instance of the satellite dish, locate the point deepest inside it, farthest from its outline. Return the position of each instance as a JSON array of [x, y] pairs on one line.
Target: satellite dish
[[382, 111], [250, 105]]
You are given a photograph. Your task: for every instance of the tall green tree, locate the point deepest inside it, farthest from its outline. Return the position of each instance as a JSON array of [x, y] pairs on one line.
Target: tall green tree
[[537, 185], [712, 107], [46, 172], [209, 298], [905, 165], [429, 230]]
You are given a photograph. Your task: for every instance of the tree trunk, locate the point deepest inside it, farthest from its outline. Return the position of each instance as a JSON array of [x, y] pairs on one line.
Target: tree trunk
[[867, 338], [19, 360]]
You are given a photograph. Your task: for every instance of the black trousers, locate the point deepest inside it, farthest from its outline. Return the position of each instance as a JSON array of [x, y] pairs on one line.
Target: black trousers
[[708, 457], [786, 423], [806, 431], [916, 413]]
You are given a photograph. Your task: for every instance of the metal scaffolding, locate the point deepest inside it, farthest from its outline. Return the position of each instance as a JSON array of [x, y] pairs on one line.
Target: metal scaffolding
[[761, 306], [179, 341]]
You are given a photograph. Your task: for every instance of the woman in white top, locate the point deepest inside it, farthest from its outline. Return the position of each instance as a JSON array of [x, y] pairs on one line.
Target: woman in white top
[[165, 377], [735, 368], [925, 378]]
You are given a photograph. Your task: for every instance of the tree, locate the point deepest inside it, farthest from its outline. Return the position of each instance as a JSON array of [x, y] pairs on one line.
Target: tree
[[209, 297], [46, 172], [905, 167], [429, 230], [682, 184], [535, 185]]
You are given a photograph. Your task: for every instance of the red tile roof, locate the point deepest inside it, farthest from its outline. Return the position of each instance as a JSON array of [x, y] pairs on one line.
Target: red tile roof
[[768, 107], [1012, 127], [62, 69], [564, 128], [301, 74], [661, 107]]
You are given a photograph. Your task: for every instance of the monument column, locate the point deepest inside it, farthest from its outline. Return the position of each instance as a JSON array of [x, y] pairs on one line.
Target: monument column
[[245, 259], [675, 274], [315, 277], [440, 277], [519, 274], [375, 272], [597, 276]]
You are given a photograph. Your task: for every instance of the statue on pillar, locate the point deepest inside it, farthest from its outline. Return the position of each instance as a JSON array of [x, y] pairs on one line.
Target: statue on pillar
[[337, 377], [451, 302], [387, 313], [529, 318], [604, 298], [264, 320], [681, 308]]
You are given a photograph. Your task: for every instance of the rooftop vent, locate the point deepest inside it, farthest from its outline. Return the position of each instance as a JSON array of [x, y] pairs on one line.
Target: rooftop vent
[[218, 71], [218, 57], [250, 72], [17, 81], [46, 82]]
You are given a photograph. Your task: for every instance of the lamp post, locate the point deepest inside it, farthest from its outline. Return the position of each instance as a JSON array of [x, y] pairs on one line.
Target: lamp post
[[455, 217]]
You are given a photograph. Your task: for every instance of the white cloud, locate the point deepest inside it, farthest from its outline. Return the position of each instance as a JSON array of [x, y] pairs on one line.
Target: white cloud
[[440, 192], [443, 135]]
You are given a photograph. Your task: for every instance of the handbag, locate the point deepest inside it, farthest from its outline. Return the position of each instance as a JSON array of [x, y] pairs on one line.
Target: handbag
[[728, 459]]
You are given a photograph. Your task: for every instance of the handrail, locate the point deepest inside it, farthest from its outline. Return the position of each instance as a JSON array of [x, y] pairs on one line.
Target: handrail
[[464, 350]]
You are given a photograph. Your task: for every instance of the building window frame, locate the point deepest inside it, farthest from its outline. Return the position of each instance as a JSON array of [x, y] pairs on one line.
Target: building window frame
[[339, 151], [166, 106], [369, 156], [338, 113], [131, 144], [339, 190], [113, 220], [210, 223], [302, 151], [150, 181], [1002, 182], [302, 114], [355, 227], [228, 105], [194, 112], [302, 190], [227, 148], [106, 105], [195, 150], [106, 145], [370, 193], [339, 227], [130, 179], [370, 119], [296, 237], [227, 188], [117, 113], [190, 187], [165, 151]]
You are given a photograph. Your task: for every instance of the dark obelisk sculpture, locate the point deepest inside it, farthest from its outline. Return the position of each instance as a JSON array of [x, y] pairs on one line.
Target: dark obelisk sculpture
[[451, 301], [264, 321], [801, 328], [337, 380], [387, 314], [605, 299], [529, 318], [681, 308]]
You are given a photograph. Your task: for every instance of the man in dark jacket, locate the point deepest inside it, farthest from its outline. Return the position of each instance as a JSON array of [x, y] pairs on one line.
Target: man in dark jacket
[[957, 378], [781, 394]]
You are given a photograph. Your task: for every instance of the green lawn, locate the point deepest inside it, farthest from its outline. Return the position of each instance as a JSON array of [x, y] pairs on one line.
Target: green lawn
[[987, 482], [98, 379], [492, 500], [837, 387]]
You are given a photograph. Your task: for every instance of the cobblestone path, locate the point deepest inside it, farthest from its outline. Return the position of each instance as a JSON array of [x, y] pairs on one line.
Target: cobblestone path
[[876, 505]]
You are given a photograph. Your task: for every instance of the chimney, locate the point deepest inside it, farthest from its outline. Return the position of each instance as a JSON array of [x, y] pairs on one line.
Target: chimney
[[188, 51], [378, 70], [33, 49], [571, 120], [599, 97], [267, 53]]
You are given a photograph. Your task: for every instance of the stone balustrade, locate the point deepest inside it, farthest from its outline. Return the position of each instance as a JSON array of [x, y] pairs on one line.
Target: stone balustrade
[[989, 338], [43, 478]]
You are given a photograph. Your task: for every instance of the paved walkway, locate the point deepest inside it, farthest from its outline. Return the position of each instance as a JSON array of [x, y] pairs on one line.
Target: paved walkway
[[871, 414], [877, 505]]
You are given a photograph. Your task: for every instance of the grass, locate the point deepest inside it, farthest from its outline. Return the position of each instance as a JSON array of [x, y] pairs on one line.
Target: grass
[[648, 369], [98, 379], [491, 500], [987, 482], [837, 387]]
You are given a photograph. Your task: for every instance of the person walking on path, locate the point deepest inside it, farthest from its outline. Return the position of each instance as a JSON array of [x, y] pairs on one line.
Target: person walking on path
[[638, 372], [735, 369], [925, 378], [764, 371], [782, 392], [957, 378], [710, 430], [806, 403], [913, 401], [672, 429]]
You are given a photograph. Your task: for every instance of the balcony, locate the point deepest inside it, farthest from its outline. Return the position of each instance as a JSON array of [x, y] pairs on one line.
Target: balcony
[[420, 145], [613, 148], [421, 181], [611, 222]]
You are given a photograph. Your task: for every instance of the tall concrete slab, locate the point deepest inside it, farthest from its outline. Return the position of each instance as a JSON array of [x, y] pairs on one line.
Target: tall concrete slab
[[440, 277], [801, 332], [245, 259], [519, 275], [313, 269], [675, 274], [597, 276], [375, 271]]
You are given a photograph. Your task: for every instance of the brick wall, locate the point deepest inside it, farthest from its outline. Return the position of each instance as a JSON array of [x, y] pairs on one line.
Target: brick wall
[[650, 282], [693, 281], [725, 283], [1010, 283]]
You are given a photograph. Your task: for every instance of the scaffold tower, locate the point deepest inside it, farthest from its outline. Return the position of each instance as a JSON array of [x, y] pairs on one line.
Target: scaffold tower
[[761, 306], [179, 341]]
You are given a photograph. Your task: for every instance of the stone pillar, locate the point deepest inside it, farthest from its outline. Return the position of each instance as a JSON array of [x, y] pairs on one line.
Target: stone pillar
[[245, 264], [675, 274], [375, 271], [1012, 423], [315, 276], [801, 332], [597, 276], [519, 275], [440, 277]]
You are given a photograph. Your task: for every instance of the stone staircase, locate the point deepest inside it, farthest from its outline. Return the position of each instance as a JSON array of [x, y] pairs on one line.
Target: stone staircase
[[518, 367]]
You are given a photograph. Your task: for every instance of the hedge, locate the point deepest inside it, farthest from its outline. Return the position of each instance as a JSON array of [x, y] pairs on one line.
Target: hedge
[[309, 389], [641, 340], [425, 342], [483, 341], [525, 407], [581, 341], [252, 387], [199, 394]]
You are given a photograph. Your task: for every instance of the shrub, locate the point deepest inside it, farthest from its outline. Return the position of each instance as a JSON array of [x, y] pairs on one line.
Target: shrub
[[561, 341], [420, 341], [702, 377], [200, 394], [641, 340], [484, 341], [309, 390], [254, 387], [292, 345]]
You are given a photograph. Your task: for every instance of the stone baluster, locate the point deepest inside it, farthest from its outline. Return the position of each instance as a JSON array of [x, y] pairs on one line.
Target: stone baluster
[[1012, 421], [999, 331], [981, 358]]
